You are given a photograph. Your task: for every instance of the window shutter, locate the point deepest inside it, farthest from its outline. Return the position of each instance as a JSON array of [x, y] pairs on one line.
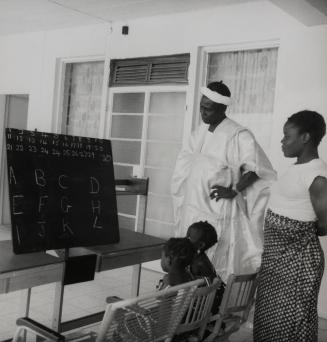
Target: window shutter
[[149, 70]]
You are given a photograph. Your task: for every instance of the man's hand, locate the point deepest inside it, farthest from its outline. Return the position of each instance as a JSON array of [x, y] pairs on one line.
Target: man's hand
[[217, 192]]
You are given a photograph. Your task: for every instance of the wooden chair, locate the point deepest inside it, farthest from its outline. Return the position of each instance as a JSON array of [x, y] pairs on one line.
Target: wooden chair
[[199, 311], [147, 318], [235, 306]]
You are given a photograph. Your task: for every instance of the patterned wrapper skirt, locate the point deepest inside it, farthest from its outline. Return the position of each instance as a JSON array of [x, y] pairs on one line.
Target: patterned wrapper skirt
[[289, 281]]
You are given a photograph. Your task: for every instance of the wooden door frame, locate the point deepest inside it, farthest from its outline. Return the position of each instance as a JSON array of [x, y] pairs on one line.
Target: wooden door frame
[[61, 64], [3, 122]]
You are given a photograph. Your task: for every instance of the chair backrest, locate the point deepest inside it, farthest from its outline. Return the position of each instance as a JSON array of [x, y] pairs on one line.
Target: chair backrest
[[199, 311], [234, 308], [239, 295], [151, 317]]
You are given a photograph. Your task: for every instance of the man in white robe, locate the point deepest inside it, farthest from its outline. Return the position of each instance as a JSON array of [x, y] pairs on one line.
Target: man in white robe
[[223, 176]]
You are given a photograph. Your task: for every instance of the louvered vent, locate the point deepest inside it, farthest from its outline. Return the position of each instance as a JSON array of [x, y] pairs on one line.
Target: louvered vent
[[153, 70]]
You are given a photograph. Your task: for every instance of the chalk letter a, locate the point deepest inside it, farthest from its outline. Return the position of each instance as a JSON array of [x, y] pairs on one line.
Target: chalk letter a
[[12, 177]]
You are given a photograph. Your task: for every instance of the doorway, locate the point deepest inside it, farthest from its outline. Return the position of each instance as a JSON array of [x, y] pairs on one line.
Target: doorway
[[13, 114]]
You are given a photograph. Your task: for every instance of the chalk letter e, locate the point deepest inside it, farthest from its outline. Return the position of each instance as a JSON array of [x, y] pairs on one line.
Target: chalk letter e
[[17, 204]]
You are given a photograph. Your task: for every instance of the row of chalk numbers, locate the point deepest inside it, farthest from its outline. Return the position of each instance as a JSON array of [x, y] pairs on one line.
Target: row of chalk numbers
[[82, 154], [18, 148], [51, 151], [33, 144], [89, 151]]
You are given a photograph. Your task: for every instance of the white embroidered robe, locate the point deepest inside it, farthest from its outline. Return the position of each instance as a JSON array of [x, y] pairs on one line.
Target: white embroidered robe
[[217, 158]]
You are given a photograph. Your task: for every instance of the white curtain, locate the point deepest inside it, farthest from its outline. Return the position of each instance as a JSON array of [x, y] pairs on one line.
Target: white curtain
[[82, 98], [251, 77]]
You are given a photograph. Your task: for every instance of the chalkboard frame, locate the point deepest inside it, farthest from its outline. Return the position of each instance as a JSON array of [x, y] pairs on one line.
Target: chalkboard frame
[[61, 191]]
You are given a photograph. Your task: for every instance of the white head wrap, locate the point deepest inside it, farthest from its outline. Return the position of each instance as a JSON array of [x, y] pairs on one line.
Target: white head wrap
[[215, 97]]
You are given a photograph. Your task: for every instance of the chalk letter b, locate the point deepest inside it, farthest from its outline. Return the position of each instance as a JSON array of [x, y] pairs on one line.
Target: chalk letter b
[[39, 177]]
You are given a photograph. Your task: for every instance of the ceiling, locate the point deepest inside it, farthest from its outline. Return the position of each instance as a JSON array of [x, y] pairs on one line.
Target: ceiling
[[17, 16]]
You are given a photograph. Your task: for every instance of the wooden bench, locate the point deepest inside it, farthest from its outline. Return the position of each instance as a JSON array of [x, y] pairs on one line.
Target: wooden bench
[[150, 317], [161, 315]]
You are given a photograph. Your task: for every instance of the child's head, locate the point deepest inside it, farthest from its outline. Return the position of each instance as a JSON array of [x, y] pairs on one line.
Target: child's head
[[178, 252], [202, 235]]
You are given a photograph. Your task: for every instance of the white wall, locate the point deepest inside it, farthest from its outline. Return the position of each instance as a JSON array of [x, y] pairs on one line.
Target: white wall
[[28, 62], [302, 68], [301, 82], [182, 33]]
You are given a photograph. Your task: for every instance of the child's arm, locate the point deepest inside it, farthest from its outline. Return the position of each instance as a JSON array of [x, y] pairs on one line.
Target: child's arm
[[163, 283], [113, 299], [202, 267]]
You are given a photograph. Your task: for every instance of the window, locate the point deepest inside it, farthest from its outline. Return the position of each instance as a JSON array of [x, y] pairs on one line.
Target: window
[[146, 130], [146, 111], [81, 100], [150, 70], [250, 75]]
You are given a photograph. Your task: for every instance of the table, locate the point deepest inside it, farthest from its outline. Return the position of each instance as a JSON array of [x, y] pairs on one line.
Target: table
[[24, 271], [133, 249]]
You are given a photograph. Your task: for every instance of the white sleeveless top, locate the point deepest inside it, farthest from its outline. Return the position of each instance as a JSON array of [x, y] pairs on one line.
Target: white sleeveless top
[[290, 196]]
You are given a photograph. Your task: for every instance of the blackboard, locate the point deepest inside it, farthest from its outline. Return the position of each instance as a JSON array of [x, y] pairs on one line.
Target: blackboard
[[62, 191]]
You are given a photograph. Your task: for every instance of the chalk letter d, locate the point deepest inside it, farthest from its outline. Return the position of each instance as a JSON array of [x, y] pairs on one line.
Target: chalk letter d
[[94, 185]]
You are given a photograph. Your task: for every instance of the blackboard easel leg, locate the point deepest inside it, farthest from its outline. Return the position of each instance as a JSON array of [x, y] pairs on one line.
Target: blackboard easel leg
[[26, 302], [140, 228], [59, 298]]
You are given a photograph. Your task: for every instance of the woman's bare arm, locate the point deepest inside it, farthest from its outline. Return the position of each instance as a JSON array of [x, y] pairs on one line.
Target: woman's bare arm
[[318, 194]]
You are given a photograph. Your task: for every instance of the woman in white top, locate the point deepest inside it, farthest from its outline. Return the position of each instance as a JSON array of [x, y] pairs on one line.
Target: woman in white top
[[293, 261]]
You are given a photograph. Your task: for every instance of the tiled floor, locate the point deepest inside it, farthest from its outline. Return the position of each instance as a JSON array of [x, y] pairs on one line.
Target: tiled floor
[[245, 333], [88, 297], [79, 299]]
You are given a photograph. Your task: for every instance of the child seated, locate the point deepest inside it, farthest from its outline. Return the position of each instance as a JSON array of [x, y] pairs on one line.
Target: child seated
[[176, 257], [203, 236]]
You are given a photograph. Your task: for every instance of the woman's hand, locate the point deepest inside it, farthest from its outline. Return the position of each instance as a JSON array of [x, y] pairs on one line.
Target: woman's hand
[[217, 192]]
